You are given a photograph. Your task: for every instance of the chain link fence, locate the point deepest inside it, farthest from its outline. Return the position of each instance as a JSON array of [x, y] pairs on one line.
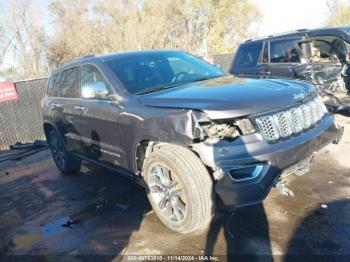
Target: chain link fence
[[21, 119]]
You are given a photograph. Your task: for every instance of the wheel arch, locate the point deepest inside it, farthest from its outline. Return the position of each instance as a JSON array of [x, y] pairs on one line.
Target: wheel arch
[[144, 146], [48, 126]]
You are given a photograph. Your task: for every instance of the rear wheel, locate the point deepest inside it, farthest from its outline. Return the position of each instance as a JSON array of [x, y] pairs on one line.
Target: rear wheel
[[64, 161], [179, 188]]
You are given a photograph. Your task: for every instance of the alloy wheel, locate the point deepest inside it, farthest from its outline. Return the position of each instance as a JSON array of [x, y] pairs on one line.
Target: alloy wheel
[[166, 191]]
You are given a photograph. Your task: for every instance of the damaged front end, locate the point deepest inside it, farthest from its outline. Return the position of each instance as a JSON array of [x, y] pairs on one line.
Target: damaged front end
[[245, 165], [214, 131]]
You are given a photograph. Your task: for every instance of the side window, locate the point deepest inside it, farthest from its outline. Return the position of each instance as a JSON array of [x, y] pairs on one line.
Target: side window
[[248, 55], [284, 51], [91, 74], [50, 89], [329, 49], [265, 55], [70, 83], [53, 85]]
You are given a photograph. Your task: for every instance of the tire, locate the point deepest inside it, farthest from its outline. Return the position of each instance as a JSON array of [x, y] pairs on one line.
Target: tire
[[66, 163], [180, 188]]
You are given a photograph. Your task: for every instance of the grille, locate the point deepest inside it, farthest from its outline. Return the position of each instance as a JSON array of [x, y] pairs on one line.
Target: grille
[[291, 121]]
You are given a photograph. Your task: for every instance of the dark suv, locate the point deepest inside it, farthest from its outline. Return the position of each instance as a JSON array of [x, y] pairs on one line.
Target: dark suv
[[178, 126], [320, 56]]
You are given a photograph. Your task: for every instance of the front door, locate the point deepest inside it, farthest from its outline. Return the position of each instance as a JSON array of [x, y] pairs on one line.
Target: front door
[[101, 132], [285, 56]]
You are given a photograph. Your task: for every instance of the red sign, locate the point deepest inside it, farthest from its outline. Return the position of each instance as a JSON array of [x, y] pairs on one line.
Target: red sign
[[7, 92]]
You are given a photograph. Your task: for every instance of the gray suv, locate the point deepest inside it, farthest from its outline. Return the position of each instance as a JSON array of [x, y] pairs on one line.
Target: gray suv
[[176, 125]]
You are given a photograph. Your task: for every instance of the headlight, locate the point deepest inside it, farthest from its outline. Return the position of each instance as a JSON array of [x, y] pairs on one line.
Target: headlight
[[245, 126]]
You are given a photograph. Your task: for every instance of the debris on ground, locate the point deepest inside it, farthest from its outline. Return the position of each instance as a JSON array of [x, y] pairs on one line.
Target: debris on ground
[[23, 150], [324, 206], [36, 144], [284, 189], [70, 223]]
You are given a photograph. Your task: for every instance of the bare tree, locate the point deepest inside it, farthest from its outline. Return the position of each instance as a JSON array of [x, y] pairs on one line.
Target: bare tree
[[77, 33], [339, 12], [188, 25], [25, 37], [93, 27], [84, 27]]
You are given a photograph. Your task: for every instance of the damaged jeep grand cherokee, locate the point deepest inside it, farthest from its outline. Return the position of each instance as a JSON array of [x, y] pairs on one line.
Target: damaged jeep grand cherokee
[[182, 129]]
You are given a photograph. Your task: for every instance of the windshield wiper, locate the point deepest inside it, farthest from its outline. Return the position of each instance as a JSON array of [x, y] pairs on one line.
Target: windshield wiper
[[157, 88], [163, 87]]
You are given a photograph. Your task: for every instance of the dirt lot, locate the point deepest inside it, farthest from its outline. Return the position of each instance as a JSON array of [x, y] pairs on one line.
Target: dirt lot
[[98, 213]]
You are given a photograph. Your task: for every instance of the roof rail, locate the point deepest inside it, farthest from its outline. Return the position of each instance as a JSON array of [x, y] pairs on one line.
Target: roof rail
[[86, 56], [77, 59]]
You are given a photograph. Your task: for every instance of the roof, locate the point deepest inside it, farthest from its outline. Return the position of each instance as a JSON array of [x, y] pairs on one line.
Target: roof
[[109, 57], [298, 32]]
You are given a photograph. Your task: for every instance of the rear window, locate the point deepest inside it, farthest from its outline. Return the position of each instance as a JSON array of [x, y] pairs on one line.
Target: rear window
[[329, 49], [70, 83], [284, 51], [248, 55], [53, 85]]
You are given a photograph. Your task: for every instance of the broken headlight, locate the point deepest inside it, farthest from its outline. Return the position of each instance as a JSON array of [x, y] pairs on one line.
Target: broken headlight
[[245, 126], [226, 129]]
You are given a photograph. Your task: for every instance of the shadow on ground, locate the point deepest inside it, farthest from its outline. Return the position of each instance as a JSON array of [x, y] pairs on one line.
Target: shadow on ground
[[89, 213]]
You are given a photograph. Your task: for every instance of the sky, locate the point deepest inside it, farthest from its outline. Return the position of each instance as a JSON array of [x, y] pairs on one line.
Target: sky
[[286, 15]]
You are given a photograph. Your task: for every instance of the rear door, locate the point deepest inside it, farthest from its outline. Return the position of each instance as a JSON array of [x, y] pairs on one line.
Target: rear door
[[69, 94], [284, 56], [247, 61], [54, 104]]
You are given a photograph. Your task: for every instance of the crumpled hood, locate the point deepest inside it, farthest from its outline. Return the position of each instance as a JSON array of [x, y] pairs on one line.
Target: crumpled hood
[[228, 97]]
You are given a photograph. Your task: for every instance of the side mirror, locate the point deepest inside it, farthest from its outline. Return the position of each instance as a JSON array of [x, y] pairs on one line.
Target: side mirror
[[94, 90], [218, 66]]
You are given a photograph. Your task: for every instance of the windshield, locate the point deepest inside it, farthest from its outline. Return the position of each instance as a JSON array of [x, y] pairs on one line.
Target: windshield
[[161, 70]]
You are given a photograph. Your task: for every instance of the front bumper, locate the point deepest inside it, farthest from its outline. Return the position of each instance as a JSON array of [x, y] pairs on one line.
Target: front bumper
[[274, 159]]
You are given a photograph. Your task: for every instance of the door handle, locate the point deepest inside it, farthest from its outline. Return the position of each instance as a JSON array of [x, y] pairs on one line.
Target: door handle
[[54, 105], [81, 108], [268, 72]]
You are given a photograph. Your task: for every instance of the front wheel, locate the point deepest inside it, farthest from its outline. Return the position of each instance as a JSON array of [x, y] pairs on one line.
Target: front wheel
[[180, 189], [64, 161]]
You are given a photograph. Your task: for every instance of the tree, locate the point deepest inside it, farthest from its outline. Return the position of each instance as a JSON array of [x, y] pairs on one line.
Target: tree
[[216, 25], [230, 23], [339, 12], [5, 43], [101, 26], [23, 38], [76, 33], [83, 27]]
